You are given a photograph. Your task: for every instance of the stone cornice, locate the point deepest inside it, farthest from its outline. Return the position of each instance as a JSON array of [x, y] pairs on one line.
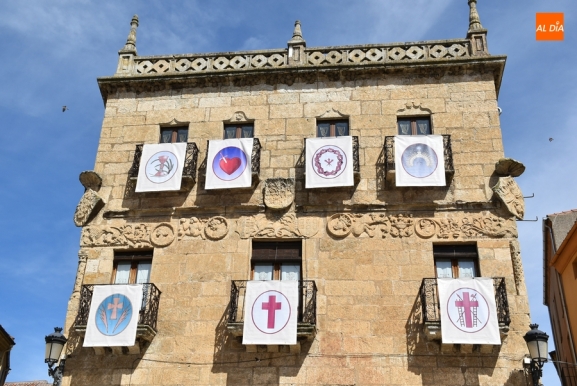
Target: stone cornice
[[245, 68]]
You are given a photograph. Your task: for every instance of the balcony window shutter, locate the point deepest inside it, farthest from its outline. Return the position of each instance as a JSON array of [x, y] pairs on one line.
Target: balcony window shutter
[[122, 272]]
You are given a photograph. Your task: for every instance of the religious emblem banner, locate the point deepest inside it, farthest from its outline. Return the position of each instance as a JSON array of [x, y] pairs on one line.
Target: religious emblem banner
[[229, 164], [161, 167], [329, 162], [270, 312], [113, 316], [468, 311], [419, 160]]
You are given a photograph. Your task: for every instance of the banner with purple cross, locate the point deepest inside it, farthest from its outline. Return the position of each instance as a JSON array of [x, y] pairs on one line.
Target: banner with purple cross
[[270, 312], [468, 311], [113, 315], [329, 162], [229, 164], [419, 160]]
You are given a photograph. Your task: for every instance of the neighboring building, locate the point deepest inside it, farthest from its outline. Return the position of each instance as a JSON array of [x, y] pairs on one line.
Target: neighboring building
[[365, 257], [560, 289], [6, 344]]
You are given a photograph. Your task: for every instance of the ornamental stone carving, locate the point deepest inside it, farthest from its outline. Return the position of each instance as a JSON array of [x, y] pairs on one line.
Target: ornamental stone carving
[[214, 228], [509, 167], [279, 193], [511, 196], [518, 274], [287, 225], [402, 226], [90, 180], [134, 236], [88, 207]]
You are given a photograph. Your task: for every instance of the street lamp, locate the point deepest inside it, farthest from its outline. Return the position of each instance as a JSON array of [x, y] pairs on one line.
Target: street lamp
[[54, 344], [537, 345]]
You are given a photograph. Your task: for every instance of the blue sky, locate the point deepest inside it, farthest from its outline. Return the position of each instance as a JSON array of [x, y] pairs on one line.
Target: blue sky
[[53, 51]]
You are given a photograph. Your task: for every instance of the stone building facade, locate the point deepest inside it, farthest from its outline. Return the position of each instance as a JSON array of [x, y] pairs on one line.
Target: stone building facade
[[366, 254]]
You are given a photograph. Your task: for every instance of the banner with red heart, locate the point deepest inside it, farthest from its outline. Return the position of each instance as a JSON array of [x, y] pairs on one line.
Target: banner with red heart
[[229, 164]]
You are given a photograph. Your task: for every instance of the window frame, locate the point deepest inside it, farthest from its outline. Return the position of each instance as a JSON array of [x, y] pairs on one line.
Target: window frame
[[460, 252], [333, 127], [238, 126], [174, 136], [135, 258], [285, 257], [413, 121]]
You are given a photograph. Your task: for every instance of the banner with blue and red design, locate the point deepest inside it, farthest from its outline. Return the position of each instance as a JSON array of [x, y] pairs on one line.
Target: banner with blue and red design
[[270, 312], [329, 162], [468, 311], [113, 315], [419, 160], [229, 164], [161, 167]]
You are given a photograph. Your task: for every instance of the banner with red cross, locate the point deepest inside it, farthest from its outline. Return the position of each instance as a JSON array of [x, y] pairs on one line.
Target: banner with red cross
[[229, 164], [468, 311], [270, 312], [329, 162], [113, 315]]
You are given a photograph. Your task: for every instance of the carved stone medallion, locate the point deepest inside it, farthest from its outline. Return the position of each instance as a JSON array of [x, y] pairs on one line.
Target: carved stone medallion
[[287, 225], [510, 194], [214, 228], [162, 235], [89, 205], [401, 226], [279, 193]]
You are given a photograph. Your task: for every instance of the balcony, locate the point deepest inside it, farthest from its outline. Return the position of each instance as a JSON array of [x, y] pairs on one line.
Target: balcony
[[307, 318], [147, 319], [188, 172], [389, 152], [356, 163], [431, 311]]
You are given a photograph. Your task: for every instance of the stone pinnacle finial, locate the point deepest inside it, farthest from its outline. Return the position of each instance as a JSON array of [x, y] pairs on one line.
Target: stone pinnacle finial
[[297, 34], [130, 45], [474, 21]]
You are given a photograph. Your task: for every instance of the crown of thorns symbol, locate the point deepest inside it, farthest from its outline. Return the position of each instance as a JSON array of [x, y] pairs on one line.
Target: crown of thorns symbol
[[318, 166]]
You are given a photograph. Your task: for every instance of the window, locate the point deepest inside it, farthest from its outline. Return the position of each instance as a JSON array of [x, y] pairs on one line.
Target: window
[[173, 134], [456, 261], [132, 267], [245, 130], [276, 260], [333, 128], [414, 126]]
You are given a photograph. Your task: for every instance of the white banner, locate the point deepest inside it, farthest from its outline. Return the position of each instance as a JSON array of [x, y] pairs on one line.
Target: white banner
[[329, 162], [113, 316], [229, 164], [270, 312], [468, 311], [419, 160], [161, 167]]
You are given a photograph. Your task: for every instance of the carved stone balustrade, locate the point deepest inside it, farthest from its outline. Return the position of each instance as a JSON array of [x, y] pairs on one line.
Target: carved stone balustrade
[[389, 151], [431, 311], [188, 171], [147, 319], [307, 315]]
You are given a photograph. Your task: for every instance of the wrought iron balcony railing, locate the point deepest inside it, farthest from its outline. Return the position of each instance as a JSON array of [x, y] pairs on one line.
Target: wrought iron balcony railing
[[356, 163], [188, 172], [307, 316], [431, 311], [148, 314], [390, 156]]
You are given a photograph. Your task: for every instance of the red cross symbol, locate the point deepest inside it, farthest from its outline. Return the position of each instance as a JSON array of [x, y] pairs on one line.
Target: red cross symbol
[[114, 307], [467, 303], [271, 307]]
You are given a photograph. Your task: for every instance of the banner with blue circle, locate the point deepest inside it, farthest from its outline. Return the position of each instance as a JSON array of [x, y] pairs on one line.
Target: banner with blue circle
[[419, 160], [229, 164], [113, 315]]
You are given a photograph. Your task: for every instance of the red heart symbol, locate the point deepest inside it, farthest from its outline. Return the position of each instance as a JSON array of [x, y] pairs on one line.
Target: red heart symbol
[[230, 165]]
